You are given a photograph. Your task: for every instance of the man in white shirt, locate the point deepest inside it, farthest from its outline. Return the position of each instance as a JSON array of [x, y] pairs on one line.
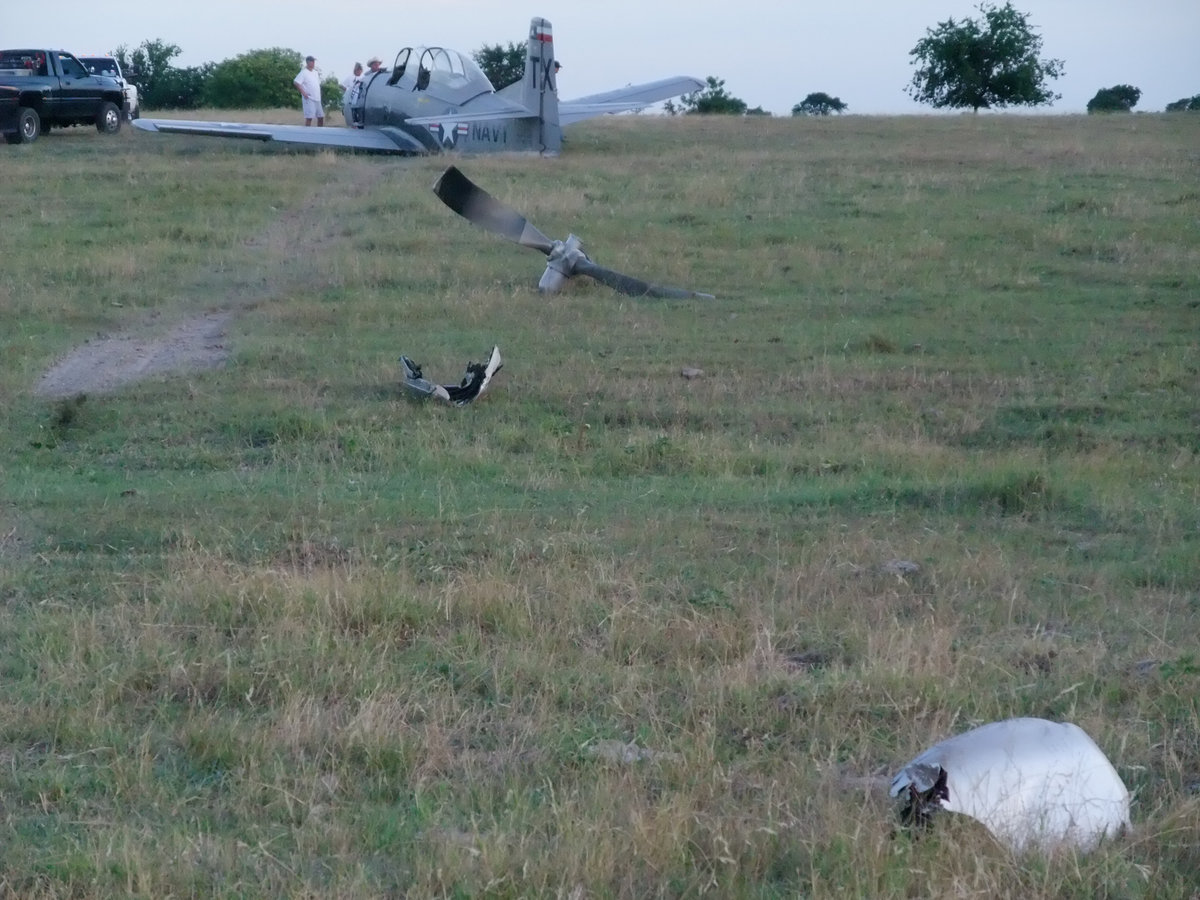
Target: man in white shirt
[[308, 83]]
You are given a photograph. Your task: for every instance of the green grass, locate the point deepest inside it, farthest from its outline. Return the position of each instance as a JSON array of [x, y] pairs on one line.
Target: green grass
[[276, 629]]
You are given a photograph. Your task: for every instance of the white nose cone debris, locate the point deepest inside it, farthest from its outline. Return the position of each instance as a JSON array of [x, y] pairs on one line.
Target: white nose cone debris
[[1035, 785]]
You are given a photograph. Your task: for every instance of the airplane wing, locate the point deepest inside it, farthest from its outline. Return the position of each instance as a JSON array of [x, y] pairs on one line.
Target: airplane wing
[[496, 107], [384, 139], [624, 99]]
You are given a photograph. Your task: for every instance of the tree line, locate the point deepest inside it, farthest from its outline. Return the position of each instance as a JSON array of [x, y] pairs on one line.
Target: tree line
[[992, 62], [257, 79]]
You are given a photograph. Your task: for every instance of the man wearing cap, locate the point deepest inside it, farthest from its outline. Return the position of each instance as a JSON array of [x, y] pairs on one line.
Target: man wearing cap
[[373, 65], [308, 83]]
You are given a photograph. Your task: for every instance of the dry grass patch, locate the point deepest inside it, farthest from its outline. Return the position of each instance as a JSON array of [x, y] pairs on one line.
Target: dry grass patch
[[277, 629]]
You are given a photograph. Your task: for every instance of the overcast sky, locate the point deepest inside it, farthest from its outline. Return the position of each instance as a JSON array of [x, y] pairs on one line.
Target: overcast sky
[[770, 53]]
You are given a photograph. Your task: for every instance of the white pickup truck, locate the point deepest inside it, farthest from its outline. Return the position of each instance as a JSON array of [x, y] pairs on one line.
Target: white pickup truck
[[106, 64]]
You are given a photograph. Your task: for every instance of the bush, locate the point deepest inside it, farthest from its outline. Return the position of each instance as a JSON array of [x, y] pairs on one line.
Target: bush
[[819, 104], [713, 99], [1120, 98], [258, 79]]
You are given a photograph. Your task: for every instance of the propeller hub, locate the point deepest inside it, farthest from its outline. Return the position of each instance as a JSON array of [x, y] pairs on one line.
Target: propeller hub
[[561, 263]]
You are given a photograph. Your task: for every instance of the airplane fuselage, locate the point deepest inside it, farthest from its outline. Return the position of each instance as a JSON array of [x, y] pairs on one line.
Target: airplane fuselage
[[442, 100]]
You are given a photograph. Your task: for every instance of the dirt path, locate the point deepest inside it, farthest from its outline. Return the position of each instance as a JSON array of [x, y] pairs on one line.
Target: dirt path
[[107, 363]]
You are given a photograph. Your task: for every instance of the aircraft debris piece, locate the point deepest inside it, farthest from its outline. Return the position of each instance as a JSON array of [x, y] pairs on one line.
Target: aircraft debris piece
[[434, 99], [1034, 784], [474, 381], [564, 258]]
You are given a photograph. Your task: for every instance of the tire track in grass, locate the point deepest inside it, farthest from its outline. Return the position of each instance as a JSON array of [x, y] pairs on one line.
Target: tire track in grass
[[289, 252]]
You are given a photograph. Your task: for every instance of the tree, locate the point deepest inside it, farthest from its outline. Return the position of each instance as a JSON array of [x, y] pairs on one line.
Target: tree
[[257, 79], [183, 88], [502, 65], [1185, 104], [711, 100], [1120, 98], [332, 93], [161, 85], [819, 104], [985, 64], [151, 61]]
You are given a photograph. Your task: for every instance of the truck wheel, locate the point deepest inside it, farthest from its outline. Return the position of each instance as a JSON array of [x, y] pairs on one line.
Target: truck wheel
[[29, 126], [108, 120]]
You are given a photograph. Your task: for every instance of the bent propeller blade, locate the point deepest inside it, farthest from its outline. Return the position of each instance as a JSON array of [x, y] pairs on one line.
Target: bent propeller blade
[[634, 287], [480, 208], [566, 258]]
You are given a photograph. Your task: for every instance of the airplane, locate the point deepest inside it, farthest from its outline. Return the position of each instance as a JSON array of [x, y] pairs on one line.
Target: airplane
[[434, 100]]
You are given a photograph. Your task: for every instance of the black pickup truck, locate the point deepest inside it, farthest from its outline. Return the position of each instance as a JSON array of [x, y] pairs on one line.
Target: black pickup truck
[[55, 89], [9, 109]]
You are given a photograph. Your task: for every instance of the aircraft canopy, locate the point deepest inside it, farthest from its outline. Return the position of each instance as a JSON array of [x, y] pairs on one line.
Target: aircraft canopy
[[442, 71]]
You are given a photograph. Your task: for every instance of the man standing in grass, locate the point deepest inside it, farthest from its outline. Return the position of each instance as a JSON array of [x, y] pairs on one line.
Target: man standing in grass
[[308, 83]]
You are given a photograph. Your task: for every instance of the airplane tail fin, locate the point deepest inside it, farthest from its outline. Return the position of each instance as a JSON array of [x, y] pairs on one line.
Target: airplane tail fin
[[538, 89]]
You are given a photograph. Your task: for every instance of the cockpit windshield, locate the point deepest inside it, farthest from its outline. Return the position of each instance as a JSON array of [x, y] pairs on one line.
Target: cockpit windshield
[[451, 65], [443, 72], [400, 65]]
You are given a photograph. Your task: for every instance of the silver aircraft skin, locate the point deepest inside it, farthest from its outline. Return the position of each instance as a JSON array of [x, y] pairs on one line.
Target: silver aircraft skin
[[433, 100]]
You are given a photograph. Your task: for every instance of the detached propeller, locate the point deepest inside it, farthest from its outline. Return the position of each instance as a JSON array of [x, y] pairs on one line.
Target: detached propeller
[[565, 258]]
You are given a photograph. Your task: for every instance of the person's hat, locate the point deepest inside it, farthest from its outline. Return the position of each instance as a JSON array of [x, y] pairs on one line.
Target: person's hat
[[310, 59], [373, 60]]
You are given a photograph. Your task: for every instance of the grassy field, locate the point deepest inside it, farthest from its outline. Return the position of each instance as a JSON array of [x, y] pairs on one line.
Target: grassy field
[[275, 629]]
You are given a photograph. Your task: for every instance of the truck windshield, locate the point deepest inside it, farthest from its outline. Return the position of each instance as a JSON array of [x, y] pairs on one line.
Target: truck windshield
[[100, 65]]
